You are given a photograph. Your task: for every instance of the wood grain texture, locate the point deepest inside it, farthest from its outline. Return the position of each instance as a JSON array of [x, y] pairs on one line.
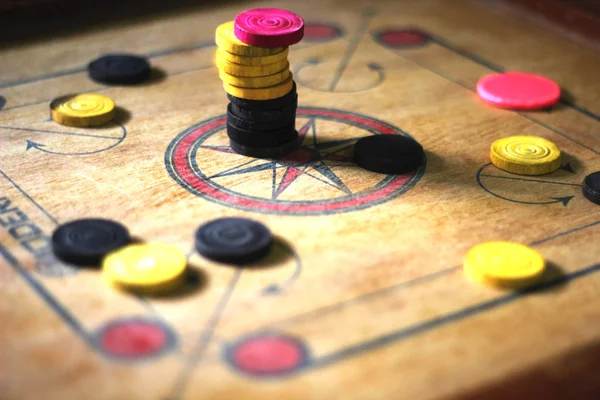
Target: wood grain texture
[[582, 17], [375, 292]]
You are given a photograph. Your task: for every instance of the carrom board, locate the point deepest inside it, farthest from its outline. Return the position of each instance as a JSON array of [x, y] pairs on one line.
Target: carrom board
[[363, 295]]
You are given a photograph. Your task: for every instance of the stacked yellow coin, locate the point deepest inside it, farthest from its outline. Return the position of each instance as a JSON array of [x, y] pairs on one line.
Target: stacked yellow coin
[[504, 265], [250, 72], [261, 115], [149, 268]]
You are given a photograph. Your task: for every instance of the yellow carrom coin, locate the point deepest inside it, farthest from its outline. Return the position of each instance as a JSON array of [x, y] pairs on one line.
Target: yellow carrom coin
[[250, 70], [267, 93], [257, 82], [525, 155], [255, 60], [82, 110], [151, 268], [226, 40], [504, 264]]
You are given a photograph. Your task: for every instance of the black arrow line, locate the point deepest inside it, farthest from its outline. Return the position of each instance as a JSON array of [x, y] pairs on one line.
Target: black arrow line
[[277, 288], [567, 167], [38, 146], [565, 200], [32, 144], [59, 132], [532, 180]]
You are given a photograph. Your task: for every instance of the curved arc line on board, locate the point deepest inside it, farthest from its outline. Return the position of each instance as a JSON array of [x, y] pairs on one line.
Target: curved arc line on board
[[38, 146], [374, 67], [563, 199], [276, 288]]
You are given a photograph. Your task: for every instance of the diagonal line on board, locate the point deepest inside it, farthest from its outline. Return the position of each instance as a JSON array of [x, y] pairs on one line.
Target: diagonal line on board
[[198, 351]]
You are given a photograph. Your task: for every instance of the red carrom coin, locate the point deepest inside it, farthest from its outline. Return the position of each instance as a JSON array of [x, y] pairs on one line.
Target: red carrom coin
[[518, 91], [269, 27]]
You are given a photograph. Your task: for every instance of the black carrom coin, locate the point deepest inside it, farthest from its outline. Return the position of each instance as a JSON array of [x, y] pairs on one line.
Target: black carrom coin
[[591, 187], [85, 242], [287, 112], [262, 138], [120, 69], [278, 151], [233, 240], [388, 154], [250, 125]]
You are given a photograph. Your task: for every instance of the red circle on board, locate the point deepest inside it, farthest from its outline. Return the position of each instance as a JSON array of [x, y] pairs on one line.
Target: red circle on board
[[518, 91], [321, 32], [269, 354], [402, 38], [133, 339], [179, 160]]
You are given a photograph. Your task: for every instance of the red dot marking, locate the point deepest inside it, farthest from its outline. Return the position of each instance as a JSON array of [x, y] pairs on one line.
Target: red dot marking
[[518, 91], [402, 38], [321, 32], [268, 355], [133, 339]]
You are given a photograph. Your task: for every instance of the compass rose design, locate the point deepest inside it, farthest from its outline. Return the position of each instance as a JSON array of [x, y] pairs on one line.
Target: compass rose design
[[319, 177]]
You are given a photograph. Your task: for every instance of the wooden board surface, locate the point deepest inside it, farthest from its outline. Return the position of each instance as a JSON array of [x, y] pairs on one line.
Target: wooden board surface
[[578, 16], [363, 296]]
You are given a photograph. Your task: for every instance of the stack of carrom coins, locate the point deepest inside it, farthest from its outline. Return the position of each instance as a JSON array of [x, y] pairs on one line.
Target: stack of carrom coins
[[252, 57]]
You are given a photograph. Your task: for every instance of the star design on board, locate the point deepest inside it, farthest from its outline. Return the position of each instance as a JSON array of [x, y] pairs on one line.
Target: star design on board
[[313, 159]]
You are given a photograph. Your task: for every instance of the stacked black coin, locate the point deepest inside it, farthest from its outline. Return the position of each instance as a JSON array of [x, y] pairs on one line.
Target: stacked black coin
[[263, 128]]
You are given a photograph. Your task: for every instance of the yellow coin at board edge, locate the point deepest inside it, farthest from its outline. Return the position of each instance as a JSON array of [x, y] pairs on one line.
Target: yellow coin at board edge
[[226, 40], [504, 264], [478, 277], [151, 268], [250, 71], [82, 110], [267, 93], [257, 82], [253, 60], [525, 155]]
